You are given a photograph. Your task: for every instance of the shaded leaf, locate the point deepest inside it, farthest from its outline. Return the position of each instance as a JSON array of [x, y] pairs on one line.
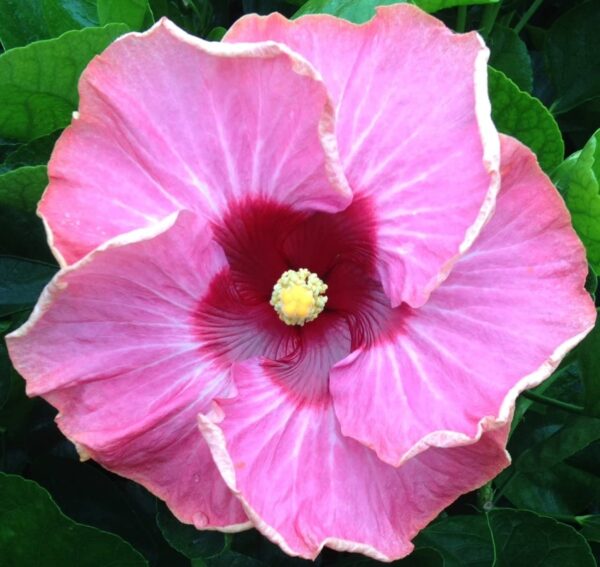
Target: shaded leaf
[[520, 115], [577, 433], [229, 559], [463, 541], [524, 538], [38, 83], [562, 490], [578, 179], [253, 544], [22, 231], [589, 362], [506, 538], [33, 531], [186, 539], [21, 282], [92, 496], [421, 557], [436, 5], [544, 476], [36, 152], [572, 55], [591, 527], [508, 53], [5, 366]]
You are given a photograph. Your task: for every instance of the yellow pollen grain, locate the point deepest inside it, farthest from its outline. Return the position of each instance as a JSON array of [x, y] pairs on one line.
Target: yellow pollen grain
[[298, 296], [297, 301]]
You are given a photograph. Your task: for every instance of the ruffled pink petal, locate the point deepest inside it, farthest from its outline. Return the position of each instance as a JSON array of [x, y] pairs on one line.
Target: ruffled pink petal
[[113, 345], [168, 121], [513, 306], [305, 486], [414, 131]]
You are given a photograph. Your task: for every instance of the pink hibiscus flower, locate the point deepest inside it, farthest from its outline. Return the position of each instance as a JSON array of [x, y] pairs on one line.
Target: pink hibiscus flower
[[291, 296]]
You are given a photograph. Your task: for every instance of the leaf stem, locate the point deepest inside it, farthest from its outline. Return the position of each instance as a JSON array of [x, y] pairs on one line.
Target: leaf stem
[[512, 474], [563, 518], [461, 19], [527, 15], [490, 13], [572, 408]]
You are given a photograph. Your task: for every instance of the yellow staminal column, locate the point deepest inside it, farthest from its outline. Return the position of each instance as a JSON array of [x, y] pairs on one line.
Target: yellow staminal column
[[298, 296]]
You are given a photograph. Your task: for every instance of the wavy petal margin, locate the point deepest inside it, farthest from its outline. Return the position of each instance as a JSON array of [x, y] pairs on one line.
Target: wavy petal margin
[[113, 345], [414, 128], [512, 308], [305, 485], [168, 122]]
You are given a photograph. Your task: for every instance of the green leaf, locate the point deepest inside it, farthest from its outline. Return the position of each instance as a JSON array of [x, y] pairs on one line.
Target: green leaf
[[508, 53], [577, 433], [507, 538], [21, 22], [563, 489], [544, 476], [578, 179], [216, 34], [25, 21], [357, 11], [360, 11], [436, 5], [90, 495], [36, 152], [22, 231], [523, 403], [187, 539], [229, 559], [591, 527], [520, 115], [64, 15], [38, 83], [421, 557], [21, 282], [33, 531], [524, 538], [463, 541], [572, 55], [22, 188], [589, 363], [5, 367], [131, 12], [591, 282]]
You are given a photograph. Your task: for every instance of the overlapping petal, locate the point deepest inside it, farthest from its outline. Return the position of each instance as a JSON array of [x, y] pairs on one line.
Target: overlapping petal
[[168, 121], [305, 485], [512, 307], [114, 345], [414, 131]]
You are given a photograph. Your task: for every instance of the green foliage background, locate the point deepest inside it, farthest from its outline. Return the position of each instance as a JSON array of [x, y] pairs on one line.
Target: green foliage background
[[544, 510]]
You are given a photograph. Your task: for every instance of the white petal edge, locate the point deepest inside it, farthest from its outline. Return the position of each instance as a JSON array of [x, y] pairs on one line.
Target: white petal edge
[[55, 288], [213, 435], [446, 439], [490, 140], [260, 50]]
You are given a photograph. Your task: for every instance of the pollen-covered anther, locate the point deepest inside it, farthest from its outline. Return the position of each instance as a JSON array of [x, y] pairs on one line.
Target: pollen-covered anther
[[299, 296]]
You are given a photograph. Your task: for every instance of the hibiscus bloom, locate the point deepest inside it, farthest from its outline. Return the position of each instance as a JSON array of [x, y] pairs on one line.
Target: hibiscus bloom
[[291, 296]]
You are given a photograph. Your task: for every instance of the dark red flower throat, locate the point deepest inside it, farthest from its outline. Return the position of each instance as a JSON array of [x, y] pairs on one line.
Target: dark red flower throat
[[261, 241]]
